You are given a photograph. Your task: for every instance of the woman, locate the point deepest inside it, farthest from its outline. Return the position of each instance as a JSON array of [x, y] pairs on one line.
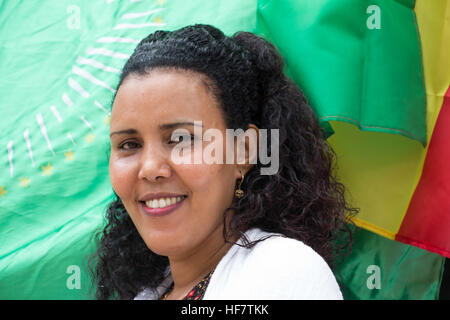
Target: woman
[[202, 230]]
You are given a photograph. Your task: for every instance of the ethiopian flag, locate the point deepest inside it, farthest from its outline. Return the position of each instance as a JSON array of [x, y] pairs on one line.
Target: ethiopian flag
[[402, 187], [375, 72]]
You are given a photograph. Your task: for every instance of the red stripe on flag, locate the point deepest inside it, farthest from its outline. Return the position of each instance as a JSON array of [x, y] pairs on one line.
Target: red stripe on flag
[[427, 220]]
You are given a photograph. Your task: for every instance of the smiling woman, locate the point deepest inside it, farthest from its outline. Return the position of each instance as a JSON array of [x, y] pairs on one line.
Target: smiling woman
[[216, 230]]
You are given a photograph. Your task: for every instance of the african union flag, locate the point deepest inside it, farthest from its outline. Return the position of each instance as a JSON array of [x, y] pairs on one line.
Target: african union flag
[[376, 72]]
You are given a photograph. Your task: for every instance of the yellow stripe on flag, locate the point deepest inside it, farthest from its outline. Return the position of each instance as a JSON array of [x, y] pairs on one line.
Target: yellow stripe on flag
[[379, 171]]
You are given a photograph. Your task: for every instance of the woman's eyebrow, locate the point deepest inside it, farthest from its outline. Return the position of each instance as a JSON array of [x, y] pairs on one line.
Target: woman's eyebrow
[[126, 131], [161, 127], [178, 124]]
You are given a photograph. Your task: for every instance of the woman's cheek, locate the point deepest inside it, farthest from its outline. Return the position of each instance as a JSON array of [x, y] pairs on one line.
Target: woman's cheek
[[122, 173], [203, 178]]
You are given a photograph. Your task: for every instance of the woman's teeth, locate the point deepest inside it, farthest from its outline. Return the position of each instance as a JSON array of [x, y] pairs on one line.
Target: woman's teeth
[[163, 202]]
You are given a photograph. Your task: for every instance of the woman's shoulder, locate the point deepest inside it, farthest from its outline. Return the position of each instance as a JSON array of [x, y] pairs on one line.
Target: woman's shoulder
[[293, 254], [278, 267]]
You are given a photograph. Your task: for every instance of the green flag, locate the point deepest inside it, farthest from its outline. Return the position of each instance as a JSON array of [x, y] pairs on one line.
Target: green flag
[[380, 268], [353, 63]]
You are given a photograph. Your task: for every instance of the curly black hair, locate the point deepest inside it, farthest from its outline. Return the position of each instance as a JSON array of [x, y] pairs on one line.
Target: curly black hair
[[303, 200]]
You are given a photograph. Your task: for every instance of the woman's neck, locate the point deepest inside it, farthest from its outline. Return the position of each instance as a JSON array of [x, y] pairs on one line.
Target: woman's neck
[[189, 269]]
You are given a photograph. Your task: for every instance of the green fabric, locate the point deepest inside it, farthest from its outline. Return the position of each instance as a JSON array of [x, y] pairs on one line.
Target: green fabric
[[405, 272], [370, 77], [53, 199]]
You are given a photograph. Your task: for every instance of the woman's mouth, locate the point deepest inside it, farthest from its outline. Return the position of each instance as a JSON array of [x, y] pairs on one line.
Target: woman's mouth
[[162, 206]]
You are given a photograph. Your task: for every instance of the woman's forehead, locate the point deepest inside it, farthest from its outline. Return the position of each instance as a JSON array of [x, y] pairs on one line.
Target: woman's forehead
[[163, 96]]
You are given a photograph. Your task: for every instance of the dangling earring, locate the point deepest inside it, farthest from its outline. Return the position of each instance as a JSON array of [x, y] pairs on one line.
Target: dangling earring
[[239, 193]]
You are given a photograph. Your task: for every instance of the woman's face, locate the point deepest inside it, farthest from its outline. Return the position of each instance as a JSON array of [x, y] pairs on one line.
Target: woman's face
[[146, 111]]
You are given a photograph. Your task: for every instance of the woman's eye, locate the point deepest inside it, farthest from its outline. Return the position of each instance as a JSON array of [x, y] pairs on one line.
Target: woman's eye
[[129, 145], [182, 138]]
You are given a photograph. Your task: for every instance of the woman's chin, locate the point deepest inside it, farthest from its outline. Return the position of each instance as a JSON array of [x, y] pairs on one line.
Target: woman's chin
[[165, 246]]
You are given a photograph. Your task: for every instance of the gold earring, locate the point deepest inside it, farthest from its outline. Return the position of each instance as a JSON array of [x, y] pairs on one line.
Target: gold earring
[[239, 193]]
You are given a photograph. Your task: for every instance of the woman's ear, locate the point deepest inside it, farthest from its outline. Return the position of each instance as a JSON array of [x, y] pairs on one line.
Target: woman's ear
[[246, 150]]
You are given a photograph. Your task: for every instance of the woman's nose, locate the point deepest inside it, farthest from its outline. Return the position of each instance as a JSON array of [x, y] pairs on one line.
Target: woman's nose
[[153, 165]]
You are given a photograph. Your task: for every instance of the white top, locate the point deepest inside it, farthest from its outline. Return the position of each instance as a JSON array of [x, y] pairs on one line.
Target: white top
[[277, 268]]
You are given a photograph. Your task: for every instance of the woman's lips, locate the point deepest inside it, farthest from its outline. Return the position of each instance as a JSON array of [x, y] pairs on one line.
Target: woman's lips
[[158, 212]]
